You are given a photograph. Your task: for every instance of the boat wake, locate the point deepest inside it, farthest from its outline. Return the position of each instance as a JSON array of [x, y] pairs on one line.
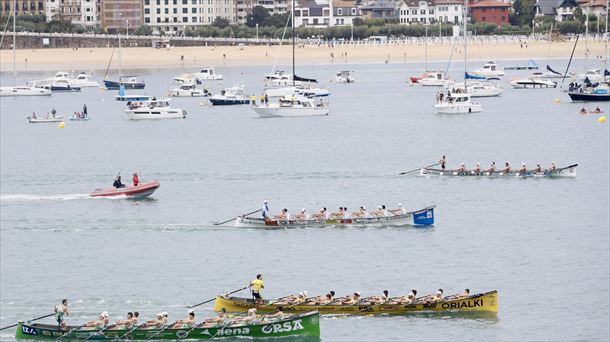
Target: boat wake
[[34, 197]]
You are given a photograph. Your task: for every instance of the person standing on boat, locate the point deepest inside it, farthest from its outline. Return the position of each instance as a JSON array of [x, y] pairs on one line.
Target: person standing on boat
[[443, 161], [60, 311], [135, 179], [117, 183], [265, 210], [257, 285], [84, 111], [53, 112]]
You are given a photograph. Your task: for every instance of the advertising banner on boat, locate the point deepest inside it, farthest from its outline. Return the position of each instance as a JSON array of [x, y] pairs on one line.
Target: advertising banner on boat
[[424, 218]]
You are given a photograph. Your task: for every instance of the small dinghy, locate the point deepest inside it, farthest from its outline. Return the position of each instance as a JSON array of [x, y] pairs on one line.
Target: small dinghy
[[75, 117], [141, 191], [57, 118]]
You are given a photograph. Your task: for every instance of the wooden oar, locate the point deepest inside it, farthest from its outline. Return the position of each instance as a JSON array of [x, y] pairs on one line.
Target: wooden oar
[[129, 332], [189, 331], [69, 332], [99, 332], [31, 320], [213, 299], [223, 222], [220, 329], [159, 332], [404, 173]]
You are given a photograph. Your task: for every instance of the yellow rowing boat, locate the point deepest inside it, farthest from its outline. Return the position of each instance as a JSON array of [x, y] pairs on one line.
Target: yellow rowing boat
[[484, 302]]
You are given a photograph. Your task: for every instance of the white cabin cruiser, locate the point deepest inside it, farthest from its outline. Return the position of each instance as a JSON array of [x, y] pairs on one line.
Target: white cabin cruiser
[[292, 107], [57, 85], [23, 91], [436, 79], [188, 90], [594, 75], [479, 88], [154, 109], [186, 78], [230, 96], [344, 76], [532, 82], [457, 103], [207, 74], [489, 69], [83, 80]]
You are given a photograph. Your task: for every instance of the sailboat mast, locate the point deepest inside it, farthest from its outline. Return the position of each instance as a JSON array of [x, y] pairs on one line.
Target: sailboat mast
[[465, 43], [120, 58], [14, 40], [293, 67], [426, 51]]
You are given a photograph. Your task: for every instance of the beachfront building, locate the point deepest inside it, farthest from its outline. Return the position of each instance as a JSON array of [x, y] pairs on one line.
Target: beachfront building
[[597, 8], [174, 16], [90, 13], [559, 9], [388, 10], [243, 8], [313, 13], [490, 11], [417, 11], [450, 11], [23, 7], [344, 12], [121, 14]]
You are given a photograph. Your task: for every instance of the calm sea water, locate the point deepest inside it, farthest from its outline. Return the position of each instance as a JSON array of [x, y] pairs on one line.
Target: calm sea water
[[542, 243]]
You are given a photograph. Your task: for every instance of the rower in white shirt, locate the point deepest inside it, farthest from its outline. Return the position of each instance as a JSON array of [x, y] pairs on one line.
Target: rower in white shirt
[[346, 214]]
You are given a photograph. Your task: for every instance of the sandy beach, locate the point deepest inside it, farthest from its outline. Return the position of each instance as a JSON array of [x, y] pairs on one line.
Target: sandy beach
[[98, 58]]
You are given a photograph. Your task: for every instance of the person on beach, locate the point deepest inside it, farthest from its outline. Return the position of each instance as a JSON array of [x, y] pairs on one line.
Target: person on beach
[[60, 311]]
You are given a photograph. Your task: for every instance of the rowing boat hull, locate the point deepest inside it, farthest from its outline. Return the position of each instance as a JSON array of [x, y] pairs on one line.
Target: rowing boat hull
[[305, 325], [485, 302], [423, 217], [141, 191], [569, 171]]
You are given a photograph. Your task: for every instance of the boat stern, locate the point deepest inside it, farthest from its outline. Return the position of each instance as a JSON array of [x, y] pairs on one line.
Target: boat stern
[[424, 217]]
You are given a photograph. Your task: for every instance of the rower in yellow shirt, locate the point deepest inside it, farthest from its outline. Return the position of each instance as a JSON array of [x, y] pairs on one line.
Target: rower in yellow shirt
[[256, 285]]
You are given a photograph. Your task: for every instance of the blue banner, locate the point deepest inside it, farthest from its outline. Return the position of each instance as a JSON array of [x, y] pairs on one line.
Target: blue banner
[[424, 218]]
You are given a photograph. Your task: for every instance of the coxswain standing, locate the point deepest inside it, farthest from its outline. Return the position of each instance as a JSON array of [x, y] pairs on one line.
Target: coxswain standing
[[265, 210], [60, 311], [135, 179], [257, 285], [443, 161]]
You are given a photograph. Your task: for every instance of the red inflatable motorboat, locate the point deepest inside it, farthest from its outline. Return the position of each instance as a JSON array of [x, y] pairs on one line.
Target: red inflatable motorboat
[[141, 191]]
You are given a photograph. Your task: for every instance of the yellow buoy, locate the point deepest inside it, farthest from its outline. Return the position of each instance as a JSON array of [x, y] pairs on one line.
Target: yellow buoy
[[61, 125], [557, 100], [601, 119]]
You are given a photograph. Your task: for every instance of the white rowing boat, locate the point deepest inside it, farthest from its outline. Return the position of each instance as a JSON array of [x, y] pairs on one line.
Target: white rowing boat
[[422, 217], [568, 171]]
